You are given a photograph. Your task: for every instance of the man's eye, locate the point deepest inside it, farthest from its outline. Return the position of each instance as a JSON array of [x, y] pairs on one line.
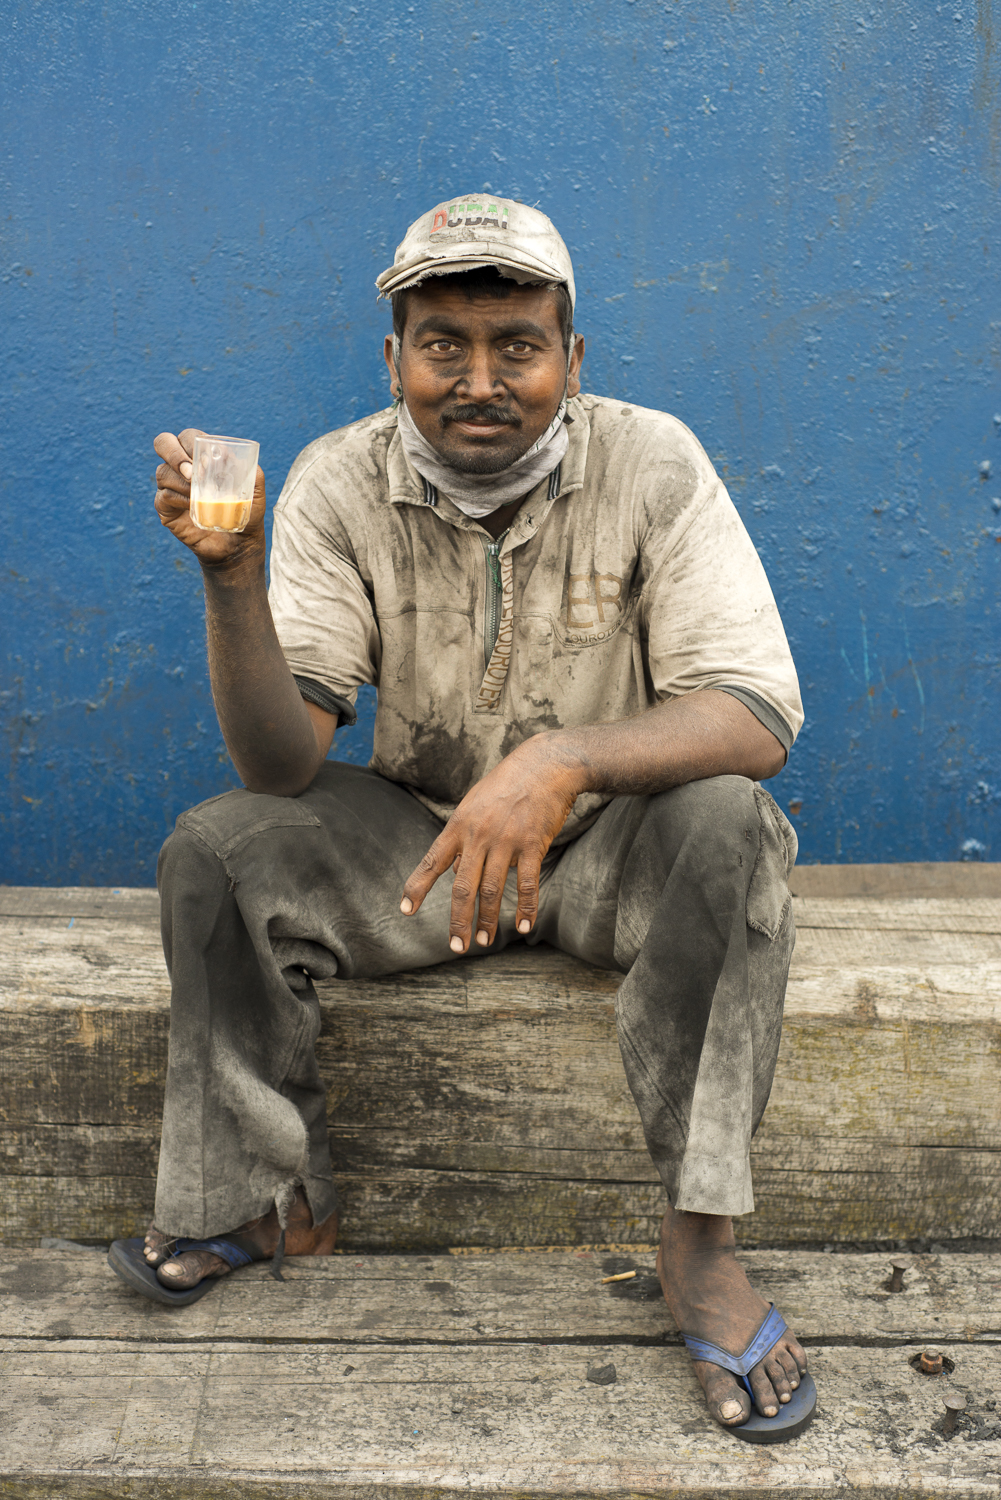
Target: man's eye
[[518, 347], [443, 345]]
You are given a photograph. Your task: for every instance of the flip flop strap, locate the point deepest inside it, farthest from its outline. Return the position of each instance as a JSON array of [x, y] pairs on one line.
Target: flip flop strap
[[225, 1248], [771, 1330]]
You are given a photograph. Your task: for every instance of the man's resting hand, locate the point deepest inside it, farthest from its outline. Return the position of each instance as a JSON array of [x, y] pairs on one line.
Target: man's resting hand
[[508, 820]]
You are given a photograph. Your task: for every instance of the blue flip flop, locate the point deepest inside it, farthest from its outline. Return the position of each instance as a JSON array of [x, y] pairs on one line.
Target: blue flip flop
[[127, 1260], [791, 1418]]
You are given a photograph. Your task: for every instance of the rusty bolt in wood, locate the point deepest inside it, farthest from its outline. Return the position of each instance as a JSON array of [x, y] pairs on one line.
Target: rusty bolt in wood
[[931, 1362], [954, 1404], [897, 1269]]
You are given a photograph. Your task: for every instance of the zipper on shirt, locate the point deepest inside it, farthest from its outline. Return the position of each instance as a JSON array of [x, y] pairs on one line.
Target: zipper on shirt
[[492, 612]]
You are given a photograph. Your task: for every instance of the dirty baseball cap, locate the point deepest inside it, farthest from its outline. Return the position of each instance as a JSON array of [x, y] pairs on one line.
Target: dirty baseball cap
[[464, 233]]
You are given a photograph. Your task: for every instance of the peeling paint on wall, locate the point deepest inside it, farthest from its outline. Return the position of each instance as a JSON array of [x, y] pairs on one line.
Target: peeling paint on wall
[[785, 224]]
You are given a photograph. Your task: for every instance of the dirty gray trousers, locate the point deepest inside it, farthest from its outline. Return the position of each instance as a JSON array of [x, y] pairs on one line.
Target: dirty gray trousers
[[684, 892]]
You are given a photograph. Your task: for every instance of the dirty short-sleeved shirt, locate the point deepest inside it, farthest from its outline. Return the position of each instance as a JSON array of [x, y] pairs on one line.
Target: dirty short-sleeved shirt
[[626, 578]]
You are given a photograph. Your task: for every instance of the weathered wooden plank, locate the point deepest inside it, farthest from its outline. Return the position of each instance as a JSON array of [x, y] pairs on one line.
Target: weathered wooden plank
[[940, 878], [498, 1296], [82, 1066], [854, 885], [923, 915], [93, 903], [79, 1151], [946, 994], [95, 1209], [419, 1421], [507, 1115], [892, 1195], [46, 964], [910, 1195]]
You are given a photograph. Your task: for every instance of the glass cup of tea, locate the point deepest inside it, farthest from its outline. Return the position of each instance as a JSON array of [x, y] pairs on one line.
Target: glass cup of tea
[[223, 470]]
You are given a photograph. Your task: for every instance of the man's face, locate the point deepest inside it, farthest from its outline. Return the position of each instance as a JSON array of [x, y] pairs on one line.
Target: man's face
[[483, 379]]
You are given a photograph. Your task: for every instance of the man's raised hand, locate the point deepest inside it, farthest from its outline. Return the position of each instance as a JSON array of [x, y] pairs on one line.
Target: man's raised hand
[[508, 820], [214, 549]]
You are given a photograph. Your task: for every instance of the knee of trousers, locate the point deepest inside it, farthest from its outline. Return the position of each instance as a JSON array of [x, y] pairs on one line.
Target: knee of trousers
[[720, 813], [218, 831], [730, 826]]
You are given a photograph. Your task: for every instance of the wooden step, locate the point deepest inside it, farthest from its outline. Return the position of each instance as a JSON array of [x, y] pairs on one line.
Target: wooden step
[[506, 1117], [439, 1375]]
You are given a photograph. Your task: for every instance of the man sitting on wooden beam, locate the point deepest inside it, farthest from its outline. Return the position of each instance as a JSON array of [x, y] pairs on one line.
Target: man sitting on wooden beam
[[582, 678]]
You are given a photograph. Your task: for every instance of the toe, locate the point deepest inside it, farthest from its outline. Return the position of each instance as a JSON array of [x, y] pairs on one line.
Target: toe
[[155, 1246], [765, 1397], [727, 1401], [175, 1273], [187, 1270], [778, 1377], [792, 1350], [787, 1360]]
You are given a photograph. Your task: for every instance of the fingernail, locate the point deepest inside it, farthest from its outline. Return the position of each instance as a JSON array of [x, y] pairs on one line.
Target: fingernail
[[730, 1409], [185, 470], [455, 944], [406, 906], [771, 1411], [524, 925], [784, 1397], [483, 938]]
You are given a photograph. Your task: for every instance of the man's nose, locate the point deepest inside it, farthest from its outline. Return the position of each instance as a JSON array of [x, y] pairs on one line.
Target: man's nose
[[480, 380]]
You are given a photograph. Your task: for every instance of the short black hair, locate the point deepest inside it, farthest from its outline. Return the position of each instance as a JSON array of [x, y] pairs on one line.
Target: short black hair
[[487, 281]]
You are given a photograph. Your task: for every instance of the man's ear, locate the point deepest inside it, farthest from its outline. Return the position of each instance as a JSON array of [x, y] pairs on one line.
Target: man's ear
[[387, 354], [576, 360]]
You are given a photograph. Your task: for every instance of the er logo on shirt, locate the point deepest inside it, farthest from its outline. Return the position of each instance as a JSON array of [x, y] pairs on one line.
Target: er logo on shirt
[[594, 605]]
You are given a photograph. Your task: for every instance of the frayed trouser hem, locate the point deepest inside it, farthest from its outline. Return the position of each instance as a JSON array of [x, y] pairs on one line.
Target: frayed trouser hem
[[719, 1185]]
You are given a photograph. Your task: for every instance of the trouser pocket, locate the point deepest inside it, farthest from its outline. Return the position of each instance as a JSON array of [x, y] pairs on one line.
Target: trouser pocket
[[768, 898]]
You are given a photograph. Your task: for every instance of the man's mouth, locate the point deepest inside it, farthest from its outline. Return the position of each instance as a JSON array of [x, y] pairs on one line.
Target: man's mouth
[[477, 427], [479, 422]]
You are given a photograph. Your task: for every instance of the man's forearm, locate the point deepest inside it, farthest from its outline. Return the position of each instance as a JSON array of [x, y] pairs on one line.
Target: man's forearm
[[705, 733], [263, 719]]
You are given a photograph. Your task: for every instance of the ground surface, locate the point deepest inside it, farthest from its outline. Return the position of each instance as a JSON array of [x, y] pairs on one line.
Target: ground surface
[[427, 1375]]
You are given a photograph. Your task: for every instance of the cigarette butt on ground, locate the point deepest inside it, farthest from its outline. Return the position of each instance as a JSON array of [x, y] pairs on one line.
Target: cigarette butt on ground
[[622, 1276]]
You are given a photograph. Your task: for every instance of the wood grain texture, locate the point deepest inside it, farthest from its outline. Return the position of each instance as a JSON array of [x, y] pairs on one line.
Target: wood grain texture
[[497, 1296], [111, 1419], [114, 962], [506, 1117], [136, 903], [942, 878], [894, 914], [951, 879]]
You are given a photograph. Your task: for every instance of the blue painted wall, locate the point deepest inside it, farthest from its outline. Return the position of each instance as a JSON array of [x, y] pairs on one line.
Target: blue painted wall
[[785, 219]]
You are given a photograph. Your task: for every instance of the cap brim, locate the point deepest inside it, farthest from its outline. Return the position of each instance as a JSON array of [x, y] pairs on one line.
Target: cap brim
[[524, 271]]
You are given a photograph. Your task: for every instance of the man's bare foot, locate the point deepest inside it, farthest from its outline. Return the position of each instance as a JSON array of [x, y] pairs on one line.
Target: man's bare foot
[[192, 1266], [711, 1298]]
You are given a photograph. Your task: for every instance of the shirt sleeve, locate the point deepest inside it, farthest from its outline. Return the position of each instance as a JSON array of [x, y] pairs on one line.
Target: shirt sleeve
[[319, 602], [712, 621]]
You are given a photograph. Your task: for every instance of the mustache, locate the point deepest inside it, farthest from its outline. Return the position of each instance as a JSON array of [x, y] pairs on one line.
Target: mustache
[[472, 413]]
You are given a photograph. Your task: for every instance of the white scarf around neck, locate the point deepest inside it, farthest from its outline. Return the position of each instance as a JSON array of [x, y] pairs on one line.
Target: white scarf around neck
[[476, 495]]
